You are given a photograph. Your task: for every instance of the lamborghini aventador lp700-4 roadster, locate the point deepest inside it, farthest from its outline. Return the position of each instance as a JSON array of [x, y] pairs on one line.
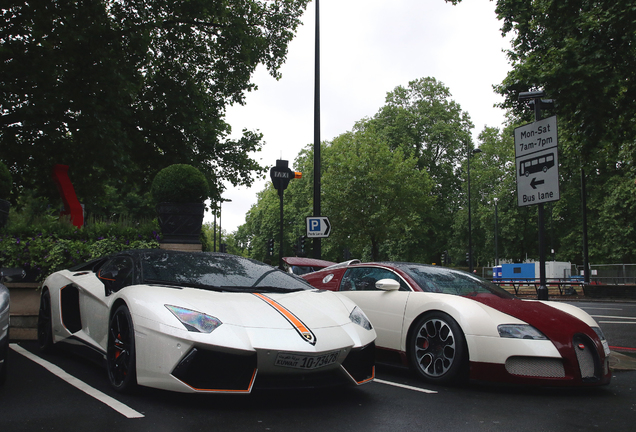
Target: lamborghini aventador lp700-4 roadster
[[205, 322]]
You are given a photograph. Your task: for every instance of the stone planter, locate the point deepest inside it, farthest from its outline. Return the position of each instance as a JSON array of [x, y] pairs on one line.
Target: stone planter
[[181, 222]]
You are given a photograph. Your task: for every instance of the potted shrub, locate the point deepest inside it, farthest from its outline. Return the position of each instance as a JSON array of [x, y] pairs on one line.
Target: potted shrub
[[179, 192], [6, 182]]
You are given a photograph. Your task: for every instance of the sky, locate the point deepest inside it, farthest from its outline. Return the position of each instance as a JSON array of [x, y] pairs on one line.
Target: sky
[[367, 48]]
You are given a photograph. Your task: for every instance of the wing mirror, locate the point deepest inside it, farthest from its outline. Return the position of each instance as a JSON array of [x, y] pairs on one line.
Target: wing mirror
[[387, 285]]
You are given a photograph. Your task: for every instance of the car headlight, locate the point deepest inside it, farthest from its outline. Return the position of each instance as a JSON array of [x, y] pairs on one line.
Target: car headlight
[[195, 321], [358, 317], [520, 331]]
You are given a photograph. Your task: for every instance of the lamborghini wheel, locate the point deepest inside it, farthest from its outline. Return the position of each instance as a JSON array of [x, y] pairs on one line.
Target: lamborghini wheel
[[120, 354], [45, 323], [438, 350]]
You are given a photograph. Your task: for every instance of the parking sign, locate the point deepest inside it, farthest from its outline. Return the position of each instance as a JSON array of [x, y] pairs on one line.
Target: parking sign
[[318, 226]]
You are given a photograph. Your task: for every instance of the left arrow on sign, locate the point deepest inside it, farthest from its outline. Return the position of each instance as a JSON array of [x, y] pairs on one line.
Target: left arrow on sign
[[536, 182]]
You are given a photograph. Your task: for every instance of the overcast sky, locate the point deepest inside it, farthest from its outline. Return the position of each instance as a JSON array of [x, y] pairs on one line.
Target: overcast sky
[[367, 48]]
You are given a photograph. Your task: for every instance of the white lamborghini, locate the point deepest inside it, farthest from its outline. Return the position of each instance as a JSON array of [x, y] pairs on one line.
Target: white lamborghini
[[205, 322]]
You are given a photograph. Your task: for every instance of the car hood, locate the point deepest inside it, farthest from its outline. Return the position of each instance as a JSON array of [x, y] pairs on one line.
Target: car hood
[[557, 325], [315, 309]]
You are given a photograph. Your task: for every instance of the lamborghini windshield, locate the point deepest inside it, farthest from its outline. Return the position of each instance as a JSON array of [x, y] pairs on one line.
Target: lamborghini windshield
[[216, 272]]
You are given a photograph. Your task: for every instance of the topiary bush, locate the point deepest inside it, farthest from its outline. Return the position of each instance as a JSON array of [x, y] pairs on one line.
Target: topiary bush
[[6, 182], [180, 183]]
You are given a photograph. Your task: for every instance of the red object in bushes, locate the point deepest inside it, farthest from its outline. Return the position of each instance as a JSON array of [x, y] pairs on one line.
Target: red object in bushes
[[72, 205]]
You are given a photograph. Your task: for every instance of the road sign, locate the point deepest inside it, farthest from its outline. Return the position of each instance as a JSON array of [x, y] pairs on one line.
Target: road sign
[[318, 226], [537, 162]]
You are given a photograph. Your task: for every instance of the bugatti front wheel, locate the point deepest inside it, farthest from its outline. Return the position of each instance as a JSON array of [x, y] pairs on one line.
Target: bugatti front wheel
[[120, 354], [438, 351]]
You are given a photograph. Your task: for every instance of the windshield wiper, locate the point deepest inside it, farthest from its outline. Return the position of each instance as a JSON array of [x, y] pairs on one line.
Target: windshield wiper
[[183, 284], [260, 289]]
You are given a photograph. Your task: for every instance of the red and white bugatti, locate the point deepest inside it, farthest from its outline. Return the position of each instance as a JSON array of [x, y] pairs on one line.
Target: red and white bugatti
[[450, 325], [205, 322]]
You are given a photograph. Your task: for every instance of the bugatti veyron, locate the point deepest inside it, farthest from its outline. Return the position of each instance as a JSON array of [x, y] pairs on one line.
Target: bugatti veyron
[[450, 325]]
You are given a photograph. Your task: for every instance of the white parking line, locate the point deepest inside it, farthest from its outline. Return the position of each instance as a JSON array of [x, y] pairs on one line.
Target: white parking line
[[617, 322], [105, 399], [404, 386], [613, 317]]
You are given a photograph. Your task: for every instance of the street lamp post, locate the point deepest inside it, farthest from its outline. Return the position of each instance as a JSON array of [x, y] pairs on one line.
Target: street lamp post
[[496, 231], [220, 232], [470, 233]]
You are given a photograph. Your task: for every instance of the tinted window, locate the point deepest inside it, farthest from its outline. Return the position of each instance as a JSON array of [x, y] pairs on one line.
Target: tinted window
[[119, 271], [209, 270], [364, 279], [447, 281]]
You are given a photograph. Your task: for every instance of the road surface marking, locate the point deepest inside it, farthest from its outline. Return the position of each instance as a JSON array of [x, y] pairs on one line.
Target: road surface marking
[[81, 385], [404, 386]]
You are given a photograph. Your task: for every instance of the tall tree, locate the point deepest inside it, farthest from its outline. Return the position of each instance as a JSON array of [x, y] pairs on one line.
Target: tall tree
[[374, 195], [424, 122], [120, 89], [582, 53]]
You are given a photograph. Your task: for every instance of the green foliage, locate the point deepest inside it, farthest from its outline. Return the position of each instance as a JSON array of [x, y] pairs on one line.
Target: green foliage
[[119, 90], [373, 194], [6, 182], [424, 122], [180, 183], [582, 54], [42, 244]]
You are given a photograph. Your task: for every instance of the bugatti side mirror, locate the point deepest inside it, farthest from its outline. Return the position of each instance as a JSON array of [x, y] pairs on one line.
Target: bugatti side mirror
[[387, 285]]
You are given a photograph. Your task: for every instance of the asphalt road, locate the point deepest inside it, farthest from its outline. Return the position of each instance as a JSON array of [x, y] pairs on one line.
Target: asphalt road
[[63, 392]]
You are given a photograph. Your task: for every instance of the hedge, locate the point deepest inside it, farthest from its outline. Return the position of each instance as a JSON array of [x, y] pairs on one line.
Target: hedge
[[45, 246]]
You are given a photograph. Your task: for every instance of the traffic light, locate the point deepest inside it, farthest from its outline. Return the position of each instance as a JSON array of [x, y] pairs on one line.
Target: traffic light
[[270, 247], [468, 258], [223, 248], [302, 243]]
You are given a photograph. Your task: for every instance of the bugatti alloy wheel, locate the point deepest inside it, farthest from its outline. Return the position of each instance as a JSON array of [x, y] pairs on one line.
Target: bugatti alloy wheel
[[438, 350]]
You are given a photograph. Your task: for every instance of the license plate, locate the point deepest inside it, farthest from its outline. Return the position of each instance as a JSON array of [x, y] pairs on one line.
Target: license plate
[[305, 362], [606, 348]]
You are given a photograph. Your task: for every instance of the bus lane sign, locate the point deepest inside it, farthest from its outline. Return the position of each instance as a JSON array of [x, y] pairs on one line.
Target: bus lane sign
[[537, 162]]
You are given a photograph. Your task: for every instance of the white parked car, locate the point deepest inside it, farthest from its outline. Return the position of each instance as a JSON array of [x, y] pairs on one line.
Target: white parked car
[[205, 322]]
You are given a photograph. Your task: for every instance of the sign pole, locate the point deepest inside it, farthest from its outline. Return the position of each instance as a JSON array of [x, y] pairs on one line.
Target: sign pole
[[536, 157], [317, 246], [542, 291]]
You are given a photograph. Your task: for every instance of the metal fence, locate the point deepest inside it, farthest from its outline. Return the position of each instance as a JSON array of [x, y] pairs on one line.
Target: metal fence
[[611, 274]]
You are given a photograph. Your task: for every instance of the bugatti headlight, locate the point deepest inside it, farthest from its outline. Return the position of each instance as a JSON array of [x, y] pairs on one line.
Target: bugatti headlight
[[195, 321], [520, 331], [358, 317]]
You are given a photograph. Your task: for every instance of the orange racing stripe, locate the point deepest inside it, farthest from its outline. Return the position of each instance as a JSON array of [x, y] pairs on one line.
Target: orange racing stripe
[[293, 320]]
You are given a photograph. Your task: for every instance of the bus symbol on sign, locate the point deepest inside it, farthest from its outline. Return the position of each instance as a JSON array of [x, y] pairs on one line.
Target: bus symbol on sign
[[536, 164]]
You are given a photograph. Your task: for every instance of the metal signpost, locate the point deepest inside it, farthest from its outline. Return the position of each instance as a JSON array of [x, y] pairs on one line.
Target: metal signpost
[[537, 163], [281, 175]]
